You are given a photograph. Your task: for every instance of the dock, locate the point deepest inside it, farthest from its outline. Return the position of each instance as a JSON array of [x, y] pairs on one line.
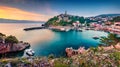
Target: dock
[[34, 28]]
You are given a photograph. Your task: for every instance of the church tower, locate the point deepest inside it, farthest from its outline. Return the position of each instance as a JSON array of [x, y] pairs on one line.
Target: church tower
[[66, 17], [65, 12]]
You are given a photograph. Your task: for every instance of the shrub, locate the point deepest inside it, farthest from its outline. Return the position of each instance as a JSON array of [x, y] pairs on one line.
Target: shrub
[[11, 39]]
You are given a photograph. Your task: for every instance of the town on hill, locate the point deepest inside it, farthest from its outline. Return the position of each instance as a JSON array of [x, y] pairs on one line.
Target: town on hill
[[67, 19]]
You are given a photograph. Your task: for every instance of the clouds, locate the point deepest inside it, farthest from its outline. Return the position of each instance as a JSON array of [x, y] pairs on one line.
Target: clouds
[[18, 14], [40, 7], [50, 8]]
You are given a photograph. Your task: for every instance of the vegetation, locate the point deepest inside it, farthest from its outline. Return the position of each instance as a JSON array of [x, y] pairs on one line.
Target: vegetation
[[111, 39], [116, 19], [59, 64], [8, 39], [51, 56], [11, 39], [1, 34], [109, 58], [54, 21]]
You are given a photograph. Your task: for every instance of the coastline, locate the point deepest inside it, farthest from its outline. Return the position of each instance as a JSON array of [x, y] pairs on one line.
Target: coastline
[[13, 53], [91, 57]]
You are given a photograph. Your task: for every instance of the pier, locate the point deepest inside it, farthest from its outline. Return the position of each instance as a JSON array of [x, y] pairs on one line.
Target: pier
[[34, 28]]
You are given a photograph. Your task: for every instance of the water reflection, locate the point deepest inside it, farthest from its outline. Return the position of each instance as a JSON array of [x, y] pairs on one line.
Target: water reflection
[[33, 37]]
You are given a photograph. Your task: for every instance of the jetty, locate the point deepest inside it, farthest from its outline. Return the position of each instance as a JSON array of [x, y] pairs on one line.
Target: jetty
[[34, 28]]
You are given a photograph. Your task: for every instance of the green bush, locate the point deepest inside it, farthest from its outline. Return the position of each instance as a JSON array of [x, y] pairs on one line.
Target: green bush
[[11, 39], [51, 56], [59, 64], [116, 55]]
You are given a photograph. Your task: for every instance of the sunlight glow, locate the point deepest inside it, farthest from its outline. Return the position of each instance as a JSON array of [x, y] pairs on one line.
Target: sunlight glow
[[18, 14]]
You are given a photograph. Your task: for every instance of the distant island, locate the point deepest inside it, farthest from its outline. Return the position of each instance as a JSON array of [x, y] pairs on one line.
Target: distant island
[[18, 21]]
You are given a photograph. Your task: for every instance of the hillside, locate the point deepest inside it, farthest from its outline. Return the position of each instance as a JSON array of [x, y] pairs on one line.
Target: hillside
[[66, 19], [108, 15], [116, 19]]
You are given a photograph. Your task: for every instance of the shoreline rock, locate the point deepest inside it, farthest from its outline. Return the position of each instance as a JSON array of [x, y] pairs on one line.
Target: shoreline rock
[[70, 51], [6, 48]]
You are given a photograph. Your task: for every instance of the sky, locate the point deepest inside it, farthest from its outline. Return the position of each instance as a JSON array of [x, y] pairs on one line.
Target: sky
[[42, 10]]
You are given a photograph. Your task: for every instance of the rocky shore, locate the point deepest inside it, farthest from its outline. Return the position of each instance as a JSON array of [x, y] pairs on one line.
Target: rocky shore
[[10, 44], [71, 52], [7, 49], [92, 57]]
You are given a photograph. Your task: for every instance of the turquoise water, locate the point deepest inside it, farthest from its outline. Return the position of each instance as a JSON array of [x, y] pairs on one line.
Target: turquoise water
[[62, 40], [45, 42]]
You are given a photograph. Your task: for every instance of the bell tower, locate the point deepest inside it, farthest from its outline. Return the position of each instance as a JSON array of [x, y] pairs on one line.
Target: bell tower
[[65, 12]]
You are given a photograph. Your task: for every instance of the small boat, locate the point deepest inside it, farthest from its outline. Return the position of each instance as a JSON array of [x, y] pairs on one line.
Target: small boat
[[62, 29], [67, 29], [29, 52], [80, 30], [95, 37]]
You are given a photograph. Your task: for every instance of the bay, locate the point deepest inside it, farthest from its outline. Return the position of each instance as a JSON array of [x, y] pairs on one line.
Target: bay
[[45, 42]]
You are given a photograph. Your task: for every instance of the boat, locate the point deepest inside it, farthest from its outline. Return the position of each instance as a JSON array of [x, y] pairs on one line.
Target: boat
[[67, 29], [62, 29], [95, 37], [80, 30], [28, 53]]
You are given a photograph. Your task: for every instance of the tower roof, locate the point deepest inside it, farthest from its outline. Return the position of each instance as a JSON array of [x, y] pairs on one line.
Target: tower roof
[[65, 12]]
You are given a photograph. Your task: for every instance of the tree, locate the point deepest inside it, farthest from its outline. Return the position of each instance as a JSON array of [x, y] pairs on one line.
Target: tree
[[116, 19], [2, 37], [111, 39], [51, 56], [94, 49], [11, 39], [1, 34], [52, 21]]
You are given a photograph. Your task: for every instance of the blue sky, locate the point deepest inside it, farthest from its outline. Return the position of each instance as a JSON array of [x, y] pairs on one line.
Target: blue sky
[[87, 7], [75, 7]]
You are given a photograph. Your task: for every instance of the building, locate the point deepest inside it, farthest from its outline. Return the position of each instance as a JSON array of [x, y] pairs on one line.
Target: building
[[108, 23], [76, 24], [93, 24], [117, 25], [64, 17], [115, 28]]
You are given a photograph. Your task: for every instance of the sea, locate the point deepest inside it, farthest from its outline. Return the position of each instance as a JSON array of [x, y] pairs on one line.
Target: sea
[[45, 42]]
